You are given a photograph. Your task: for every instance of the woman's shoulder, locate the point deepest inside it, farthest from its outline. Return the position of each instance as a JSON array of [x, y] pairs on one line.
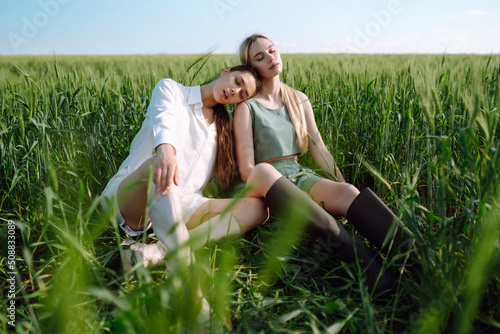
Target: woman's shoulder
[[302, 97], [167, 82], [242, 107], [304, 100], [170, 87]]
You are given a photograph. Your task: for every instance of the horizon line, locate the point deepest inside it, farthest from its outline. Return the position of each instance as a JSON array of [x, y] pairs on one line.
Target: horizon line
[[232, 54]]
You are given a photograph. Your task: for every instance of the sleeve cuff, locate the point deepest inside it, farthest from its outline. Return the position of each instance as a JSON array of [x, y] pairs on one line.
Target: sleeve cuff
[[164, 140]]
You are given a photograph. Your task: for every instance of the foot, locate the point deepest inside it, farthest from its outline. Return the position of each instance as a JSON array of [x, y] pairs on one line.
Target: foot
[[147, 254], [129, 261]]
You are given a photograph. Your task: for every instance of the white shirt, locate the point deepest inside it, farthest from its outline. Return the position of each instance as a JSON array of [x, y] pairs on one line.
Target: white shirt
[[175, 117]]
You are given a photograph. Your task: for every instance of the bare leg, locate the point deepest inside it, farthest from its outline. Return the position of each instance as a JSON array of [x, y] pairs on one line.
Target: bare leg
[[132, 196], [249, 212], [260, 180], [220, 218], [334, 197]]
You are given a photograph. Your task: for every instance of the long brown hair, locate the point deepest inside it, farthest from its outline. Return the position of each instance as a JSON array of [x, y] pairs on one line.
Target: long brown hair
[[225, 162], [288, 96]]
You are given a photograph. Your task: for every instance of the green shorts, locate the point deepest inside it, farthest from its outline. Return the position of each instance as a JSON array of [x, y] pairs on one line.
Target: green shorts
[[301, 176]]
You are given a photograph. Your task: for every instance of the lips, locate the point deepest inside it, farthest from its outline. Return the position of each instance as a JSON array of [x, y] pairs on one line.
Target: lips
[[224, 95], [274, 66]]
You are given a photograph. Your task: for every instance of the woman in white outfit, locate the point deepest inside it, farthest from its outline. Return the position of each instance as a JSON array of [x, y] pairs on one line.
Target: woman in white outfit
[[185, 137]]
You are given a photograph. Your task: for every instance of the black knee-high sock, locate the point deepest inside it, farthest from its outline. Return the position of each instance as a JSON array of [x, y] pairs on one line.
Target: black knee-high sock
[[280, 199]]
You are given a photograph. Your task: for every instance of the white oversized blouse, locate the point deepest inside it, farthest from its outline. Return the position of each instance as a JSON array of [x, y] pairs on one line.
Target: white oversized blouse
[[175, 117]]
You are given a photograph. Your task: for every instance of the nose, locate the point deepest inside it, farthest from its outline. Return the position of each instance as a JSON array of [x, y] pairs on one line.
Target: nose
[[271, 58]]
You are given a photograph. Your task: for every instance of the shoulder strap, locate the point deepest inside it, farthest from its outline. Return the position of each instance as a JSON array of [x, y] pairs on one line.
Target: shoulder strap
[[251, 106]]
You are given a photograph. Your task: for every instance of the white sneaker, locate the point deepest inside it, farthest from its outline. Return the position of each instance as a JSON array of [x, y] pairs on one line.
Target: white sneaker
[[147, 254]]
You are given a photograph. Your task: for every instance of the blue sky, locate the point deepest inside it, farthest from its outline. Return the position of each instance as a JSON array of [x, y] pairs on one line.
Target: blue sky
[[195, 26]]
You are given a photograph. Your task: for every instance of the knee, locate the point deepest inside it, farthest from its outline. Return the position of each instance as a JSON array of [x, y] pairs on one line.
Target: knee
[[349, 193], [262, 177], [349, 190], [166, 208], [261, 171], [172, 197]]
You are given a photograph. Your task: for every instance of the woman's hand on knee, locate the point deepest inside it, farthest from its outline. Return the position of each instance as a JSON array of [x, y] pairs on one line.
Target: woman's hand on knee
[[165, 169]]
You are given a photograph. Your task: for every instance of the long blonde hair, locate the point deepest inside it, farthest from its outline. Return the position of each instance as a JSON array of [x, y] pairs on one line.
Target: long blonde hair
[[288, 95]]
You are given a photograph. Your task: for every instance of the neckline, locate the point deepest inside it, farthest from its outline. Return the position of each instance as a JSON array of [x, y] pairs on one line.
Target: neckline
[[200, 116], [263, 106]]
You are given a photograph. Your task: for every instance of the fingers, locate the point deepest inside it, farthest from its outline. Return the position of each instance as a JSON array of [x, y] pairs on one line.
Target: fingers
[[157, 177], [165, 174], [168, 180], [176, 175]]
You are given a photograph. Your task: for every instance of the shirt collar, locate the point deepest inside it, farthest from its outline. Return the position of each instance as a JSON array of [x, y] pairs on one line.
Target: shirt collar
[[194, 95], [194, 99]]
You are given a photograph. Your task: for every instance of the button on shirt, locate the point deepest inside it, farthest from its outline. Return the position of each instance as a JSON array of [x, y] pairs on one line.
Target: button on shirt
[[175, 117]]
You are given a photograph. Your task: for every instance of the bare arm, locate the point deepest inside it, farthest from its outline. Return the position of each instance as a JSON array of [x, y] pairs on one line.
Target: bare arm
[[316, 145], [243, 136]]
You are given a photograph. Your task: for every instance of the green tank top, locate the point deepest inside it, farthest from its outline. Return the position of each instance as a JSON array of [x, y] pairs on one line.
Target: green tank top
[[273, 132]]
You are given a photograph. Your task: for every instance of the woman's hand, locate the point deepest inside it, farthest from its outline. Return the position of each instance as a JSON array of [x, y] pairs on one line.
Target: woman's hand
[[165, 169]]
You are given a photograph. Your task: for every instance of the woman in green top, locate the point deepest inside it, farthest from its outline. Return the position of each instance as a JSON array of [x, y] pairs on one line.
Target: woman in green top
[[275, 127]]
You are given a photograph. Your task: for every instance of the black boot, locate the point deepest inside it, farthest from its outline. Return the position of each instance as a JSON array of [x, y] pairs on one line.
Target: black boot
[[280, 200], [372, 218]]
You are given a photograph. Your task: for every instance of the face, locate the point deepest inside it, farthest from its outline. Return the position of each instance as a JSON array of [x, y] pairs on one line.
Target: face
[[234, 87], [265, 58]]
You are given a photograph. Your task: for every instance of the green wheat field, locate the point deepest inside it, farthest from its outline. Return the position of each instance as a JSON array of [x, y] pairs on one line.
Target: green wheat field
[[421, 130]]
